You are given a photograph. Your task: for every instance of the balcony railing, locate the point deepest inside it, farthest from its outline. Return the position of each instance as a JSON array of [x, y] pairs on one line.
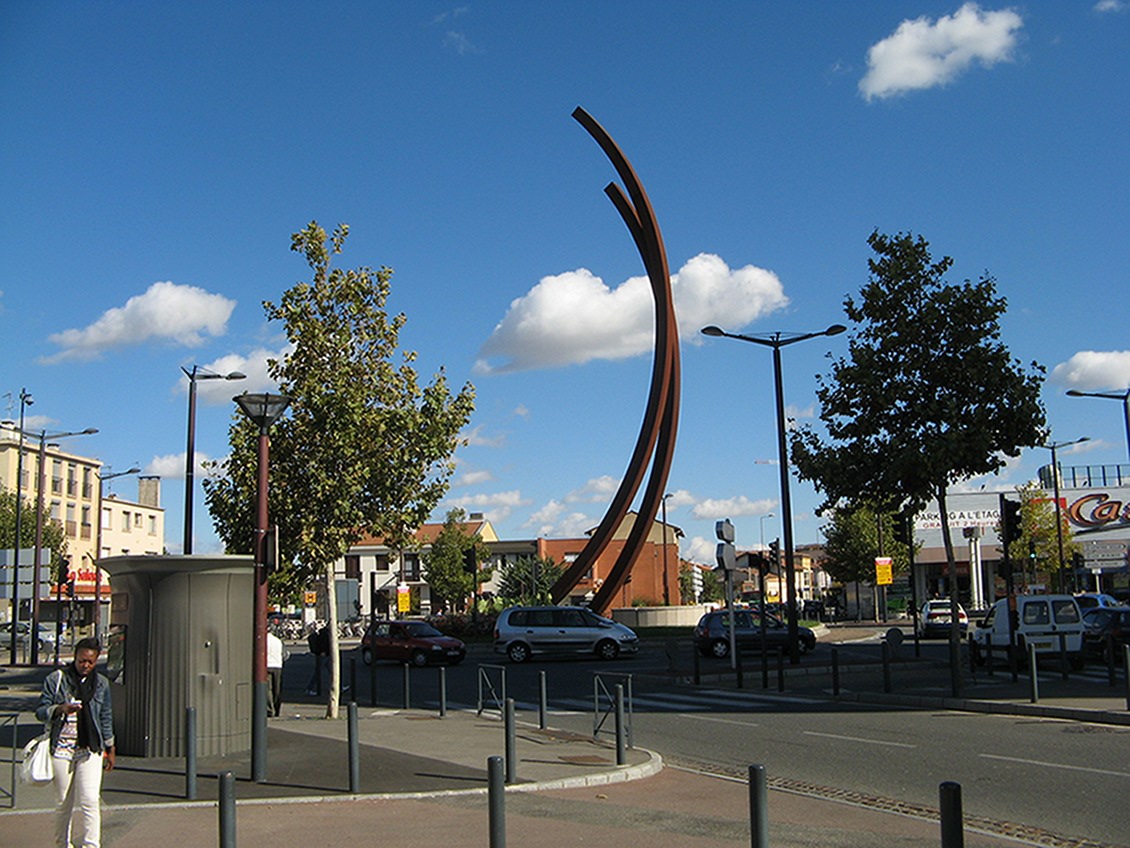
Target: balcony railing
[[1093, 476]]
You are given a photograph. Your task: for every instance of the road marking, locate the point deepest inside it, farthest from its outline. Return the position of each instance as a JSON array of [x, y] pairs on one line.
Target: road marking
[[857, 739], [701, 717], [1054, 765]]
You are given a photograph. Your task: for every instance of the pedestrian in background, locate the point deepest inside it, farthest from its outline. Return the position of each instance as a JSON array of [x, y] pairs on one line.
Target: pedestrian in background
[[276, 656], [75, 704]]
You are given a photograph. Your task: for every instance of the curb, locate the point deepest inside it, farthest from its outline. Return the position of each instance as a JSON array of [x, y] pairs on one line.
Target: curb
[[972, 705]]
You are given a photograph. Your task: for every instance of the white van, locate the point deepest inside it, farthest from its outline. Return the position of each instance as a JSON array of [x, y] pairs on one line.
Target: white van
[[1040, 619]]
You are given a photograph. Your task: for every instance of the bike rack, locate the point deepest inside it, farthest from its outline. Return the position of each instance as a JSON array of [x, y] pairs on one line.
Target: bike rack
[[497, 695], [599, 718]]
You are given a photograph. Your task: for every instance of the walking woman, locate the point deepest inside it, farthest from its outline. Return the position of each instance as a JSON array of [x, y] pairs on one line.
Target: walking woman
[[76, 702]]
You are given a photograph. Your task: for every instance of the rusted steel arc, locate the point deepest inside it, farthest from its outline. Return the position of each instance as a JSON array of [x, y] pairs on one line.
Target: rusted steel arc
[[657, 483], [645, 232]]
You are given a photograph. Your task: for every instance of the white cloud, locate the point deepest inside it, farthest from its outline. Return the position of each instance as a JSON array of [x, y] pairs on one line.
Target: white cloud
[[1109, 6], [176, 313], [1094, 370], [494, 507], [475, 437], [596, 490], [699, 550], [924, 54], [572, 318], [171, 466], [472, 478], [732, 507]]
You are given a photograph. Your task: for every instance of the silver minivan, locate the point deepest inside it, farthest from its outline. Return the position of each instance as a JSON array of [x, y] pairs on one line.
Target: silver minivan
[[522, 632]]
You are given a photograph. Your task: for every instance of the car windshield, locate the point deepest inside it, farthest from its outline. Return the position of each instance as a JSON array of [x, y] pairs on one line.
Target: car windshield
[[421, 630]]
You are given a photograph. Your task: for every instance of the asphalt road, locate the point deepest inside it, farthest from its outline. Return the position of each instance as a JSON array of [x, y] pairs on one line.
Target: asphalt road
[[1063, 777]]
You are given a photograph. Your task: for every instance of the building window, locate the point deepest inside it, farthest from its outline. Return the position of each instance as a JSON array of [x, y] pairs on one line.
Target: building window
[[87, 488], [72, 480], [380, 562], [107, 519], [137, 520], [411, 566], [152, 525], [56, 477], [352, 567], [125, 522]]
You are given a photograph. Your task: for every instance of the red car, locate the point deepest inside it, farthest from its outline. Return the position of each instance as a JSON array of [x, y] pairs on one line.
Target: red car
[[415, 642]]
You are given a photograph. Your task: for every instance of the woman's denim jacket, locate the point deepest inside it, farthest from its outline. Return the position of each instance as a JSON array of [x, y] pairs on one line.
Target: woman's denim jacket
[[57, 690]]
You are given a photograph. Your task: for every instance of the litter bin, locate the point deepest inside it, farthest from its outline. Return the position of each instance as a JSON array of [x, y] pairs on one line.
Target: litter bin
[[180, 635]]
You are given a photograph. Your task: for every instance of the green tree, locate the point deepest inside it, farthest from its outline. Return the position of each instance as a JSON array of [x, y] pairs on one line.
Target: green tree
[[446, 562], [54, 539], [528, 580], [713, 586], [1038, 536], [852, 542], [928, 394], [365, 449]]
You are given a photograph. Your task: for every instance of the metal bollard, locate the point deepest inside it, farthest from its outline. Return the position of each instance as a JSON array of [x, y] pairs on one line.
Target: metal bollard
[[1109, 655], [738, 668], [496, 802], [758, 808], [1063, 655], [354, 751], [949, 797], [1033, 676], [443, 691], [353, 677], [988, 656], [407, 685], [1126, 667], [781, 669], [543, 701], [511, 742], [697, 669], [227, 810], [886, 666], [836, 672], [190, 753], [621, 752], [372, 680]]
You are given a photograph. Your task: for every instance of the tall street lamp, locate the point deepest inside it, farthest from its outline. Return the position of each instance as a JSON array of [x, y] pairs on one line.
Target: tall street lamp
[[25, 401], [1053, 447], [666, 582], [761, 523], [102, 478], [1124, 397], [263, 409], [41, 487], [777, 341], [197, 373]]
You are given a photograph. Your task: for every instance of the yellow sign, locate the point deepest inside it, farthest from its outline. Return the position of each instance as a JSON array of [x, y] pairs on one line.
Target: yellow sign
[[311, 599], [883, 571], [403, 598]]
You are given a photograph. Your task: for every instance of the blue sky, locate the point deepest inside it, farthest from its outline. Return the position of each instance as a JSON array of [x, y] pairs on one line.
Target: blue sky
[[155, 158]]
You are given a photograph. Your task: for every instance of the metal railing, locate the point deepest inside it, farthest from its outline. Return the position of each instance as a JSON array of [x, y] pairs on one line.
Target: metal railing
[[497, 694], [599, 717]]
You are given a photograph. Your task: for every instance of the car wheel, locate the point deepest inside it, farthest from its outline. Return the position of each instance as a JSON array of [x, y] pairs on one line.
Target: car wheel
[[518, 652], [803, 647], [1076, 661], [606, 649], [720, 648], [419, 658], [367, 656]]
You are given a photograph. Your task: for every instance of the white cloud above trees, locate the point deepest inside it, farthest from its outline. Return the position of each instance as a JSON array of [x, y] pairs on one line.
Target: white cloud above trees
[[1094, 370], [574, 317], [924, 53], [182, 315]]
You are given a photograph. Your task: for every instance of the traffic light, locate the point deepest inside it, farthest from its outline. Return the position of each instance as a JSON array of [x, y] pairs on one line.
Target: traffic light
[[774, 554], [724, 552], [902, 531], [1011, 527], [470, 564]]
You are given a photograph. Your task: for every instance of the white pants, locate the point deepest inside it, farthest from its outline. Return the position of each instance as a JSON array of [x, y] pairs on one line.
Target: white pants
[[78, 785]]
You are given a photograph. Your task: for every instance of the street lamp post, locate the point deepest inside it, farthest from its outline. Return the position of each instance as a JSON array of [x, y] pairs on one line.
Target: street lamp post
[[197, 373], [263, 410], [102, 478], [761, 523], [41, 487], [1124, 397], [1053, 447], [776, 341], [25, 401]]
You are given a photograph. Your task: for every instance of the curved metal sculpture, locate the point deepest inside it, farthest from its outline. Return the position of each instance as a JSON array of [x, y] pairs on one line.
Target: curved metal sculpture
[[661, 418]]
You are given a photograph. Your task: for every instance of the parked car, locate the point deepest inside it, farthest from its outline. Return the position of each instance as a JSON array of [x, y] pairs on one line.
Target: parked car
[[522, 632], [935, 619], [1101, 622], [1090, 600], [712, 633], [415, 642], [46, 637], [1040, 621]]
